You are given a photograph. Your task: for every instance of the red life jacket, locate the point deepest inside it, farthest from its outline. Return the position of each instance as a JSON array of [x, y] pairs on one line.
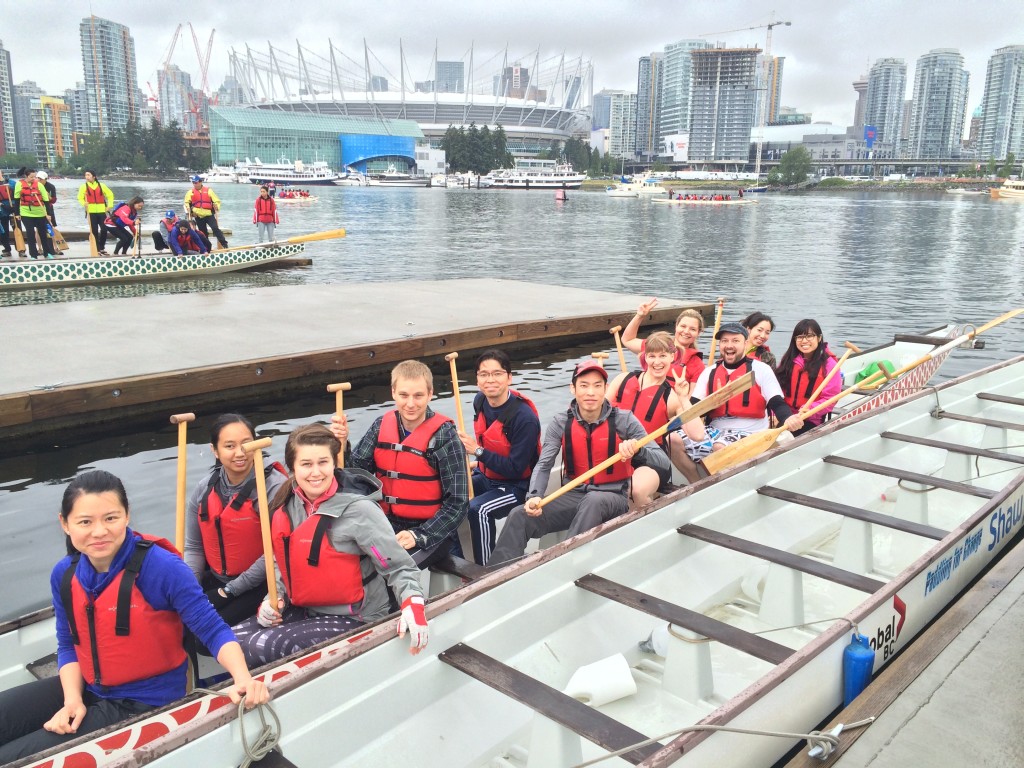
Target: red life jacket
[[5, 192], [120, 638], [649, 405], [586, 447], [114, 220], [751, 404], [314, 572], [493, 437], [30, 194], [169, 224], [265, 208], [188, 243], [201, 199], [800, 385], [232, 539], [94, 195], [412, 488]]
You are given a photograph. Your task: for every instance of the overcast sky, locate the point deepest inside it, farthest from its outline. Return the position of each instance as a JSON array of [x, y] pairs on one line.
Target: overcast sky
[[828, 45]]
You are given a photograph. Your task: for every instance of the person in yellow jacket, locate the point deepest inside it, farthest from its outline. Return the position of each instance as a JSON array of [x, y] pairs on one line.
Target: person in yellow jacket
[[202, 204], [97, 199], [30, 199]]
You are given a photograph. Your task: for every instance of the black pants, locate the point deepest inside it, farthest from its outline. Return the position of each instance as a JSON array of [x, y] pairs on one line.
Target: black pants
[[125, 239], [98, 230], [424, 558], [34, 225], [207, 224], [5, 228], [24, 709]]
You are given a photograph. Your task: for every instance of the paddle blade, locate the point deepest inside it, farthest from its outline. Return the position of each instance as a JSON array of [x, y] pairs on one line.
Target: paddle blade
[[741, 450], [330, 234]]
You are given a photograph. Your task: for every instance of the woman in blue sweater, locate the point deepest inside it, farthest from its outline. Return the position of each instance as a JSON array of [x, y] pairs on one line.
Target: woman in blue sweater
[[120, 601]]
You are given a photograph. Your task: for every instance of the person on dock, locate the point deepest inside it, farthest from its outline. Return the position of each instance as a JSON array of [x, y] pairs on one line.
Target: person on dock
[[264, 215], [421, 463], [590, 431], [505, 445], [185, 240], [107, 673], [122, 223], [760, 327], [335, 556], [6, 209], [202, 205], [805, 364], [30, 199], [223, 540], [51, 190], [97, 199], [741, 415], [689, 326], [655, 398]]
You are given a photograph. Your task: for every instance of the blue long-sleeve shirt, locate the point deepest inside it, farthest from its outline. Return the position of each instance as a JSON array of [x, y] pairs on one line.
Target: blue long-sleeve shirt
[[522, 428], [167, 584]]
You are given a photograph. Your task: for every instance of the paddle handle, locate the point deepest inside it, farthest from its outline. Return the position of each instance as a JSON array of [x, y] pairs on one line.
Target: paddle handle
[[255, 447], [339, 391], [616, 331], [451, 357], [182, 420], [714, 333]]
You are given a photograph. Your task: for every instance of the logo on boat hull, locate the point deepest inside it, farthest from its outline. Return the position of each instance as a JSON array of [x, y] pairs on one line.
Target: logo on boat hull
[[885, 638]]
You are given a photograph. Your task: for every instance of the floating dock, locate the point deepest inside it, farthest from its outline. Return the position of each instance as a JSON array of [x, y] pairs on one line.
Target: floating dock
[[87, 362]]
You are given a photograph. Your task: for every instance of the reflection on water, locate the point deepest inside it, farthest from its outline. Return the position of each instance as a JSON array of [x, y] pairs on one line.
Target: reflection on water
[[866, 265]]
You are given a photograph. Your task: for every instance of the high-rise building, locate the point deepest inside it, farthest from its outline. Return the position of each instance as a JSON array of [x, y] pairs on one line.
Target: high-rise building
[[52, 133], [940, 105], [230, 93], [1002, 105], [648, 91], [622, 124], [378, 84], [450, 77], [675, 110], [722, 110], [860, 85], [975, 130], [176, 96], [771, 89], [8, 141], [602, 116], [111, 78], [887, 88], [24, 93], [78, 101]]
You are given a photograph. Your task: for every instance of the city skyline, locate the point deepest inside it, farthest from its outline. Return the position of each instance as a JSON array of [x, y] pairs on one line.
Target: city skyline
[[820, 66]]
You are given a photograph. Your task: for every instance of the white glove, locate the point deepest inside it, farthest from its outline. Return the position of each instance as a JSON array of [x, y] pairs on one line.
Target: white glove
[[267, 616], [414, 620]]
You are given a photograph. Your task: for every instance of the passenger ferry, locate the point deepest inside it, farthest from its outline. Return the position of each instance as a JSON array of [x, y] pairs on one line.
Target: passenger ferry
[[284, 171], [534, 174]]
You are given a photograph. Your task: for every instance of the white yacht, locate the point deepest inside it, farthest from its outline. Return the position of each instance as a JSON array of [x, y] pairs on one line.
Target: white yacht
[[284, 171], [534, 174]]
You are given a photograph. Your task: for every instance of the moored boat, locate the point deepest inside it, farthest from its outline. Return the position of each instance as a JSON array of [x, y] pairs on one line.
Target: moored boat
[[621, 190], [534, 174], [758, 578], [1012, 189], [284, 171]]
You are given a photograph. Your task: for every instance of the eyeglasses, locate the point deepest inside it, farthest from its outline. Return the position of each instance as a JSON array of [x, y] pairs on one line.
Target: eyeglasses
[[807, 337], [485, 375]]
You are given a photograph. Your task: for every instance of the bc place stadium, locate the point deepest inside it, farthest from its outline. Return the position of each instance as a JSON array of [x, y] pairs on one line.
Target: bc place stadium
[[353, 111]]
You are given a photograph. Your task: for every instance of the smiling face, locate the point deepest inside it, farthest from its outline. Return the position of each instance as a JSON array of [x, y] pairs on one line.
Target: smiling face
[[589, 389], [493, 381], [97, 525], [228, 450], [759, 333], [733, 347], [658, 364], [687, 331], [806, 343], [411, 399], [314, 470]]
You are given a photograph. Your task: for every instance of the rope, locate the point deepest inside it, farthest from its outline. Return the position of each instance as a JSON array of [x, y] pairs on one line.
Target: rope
[[825, 742], [267, 738], [698, 640]]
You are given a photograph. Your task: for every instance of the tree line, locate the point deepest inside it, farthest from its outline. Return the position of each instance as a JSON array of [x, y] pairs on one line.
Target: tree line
[[479, 150]]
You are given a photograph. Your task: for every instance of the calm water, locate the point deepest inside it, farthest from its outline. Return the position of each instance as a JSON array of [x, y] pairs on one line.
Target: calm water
[[865, 265]]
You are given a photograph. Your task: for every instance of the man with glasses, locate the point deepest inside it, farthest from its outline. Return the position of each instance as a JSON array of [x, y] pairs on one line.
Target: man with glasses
[[742, 415], [505, 445], [590, 431]]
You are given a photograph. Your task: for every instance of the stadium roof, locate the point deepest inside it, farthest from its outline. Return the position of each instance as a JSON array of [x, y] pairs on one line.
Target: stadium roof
[[249, 117]]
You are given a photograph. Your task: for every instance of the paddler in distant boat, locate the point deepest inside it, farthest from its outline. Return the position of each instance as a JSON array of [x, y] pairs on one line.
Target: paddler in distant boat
[[588, 432], [421, 462], [335, 556], [689, 326], [223, 539], [760, 327], [805, 364], [743, 414], [120, 602]]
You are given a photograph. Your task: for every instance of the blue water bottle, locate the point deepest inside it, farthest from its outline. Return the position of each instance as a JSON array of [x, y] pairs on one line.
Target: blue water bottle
[[858, 661]]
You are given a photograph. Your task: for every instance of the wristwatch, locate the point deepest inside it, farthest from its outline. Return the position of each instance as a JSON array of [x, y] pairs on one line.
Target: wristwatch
[[478, 453]]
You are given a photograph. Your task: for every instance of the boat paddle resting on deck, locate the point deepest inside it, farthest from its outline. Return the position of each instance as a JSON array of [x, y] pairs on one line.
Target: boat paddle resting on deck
[[727, 604], [55, 273]]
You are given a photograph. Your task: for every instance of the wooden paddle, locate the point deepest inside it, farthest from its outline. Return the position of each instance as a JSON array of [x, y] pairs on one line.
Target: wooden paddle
[[618, 345], [19, 238], [182, 420], [600, 357], [329, 234], [138, 238], [339, 391], [93, 248], [256, 447], [850, 349], [451, 357], [718, 324], [59, 243], [758, 443], [694, 411]]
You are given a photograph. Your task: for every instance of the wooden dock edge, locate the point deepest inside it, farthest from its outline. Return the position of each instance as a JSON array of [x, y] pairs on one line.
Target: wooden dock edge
[[32, 415], [902, 671]]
